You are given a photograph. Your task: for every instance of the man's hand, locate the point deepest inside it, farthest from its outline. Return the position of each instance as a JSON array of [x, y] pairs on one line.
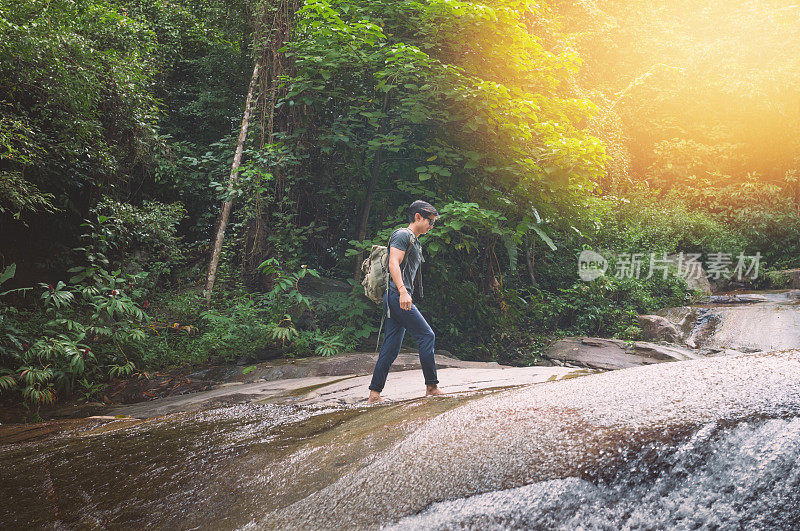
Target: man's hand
[[405, 301]]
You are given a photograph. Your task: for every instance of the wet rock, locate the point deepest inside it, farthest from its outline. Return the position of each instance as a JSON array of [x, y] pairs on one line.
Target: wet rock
[[599, 353], [657, 328], [711, 442], [665, 352], [585, 428], [704, 327], [747, 297], [348, 389], [682, 318], [743, 322], [730, 298], [696, 279]]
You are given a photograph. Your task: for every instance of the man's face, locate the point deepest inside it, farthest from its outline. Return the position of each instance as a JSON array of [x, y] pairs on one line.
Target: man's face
[[426, 222]]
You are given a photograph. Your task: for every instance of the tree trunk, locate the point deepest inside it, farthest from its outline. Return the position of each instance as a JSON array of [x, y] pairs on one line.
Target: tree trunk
[[225, 212], [529, 263], [361, 230]]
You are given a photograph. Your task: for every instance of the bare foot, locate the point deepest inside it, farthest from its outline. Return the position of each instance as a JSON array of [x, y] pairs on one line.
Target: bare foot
[[432, 390], [374, 397]]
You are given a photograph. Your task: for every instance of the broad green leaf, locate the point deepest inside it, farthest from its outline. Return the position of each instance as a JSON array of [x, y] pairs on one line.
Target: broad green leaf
[[545, 238], [8, 273], [511, 249]]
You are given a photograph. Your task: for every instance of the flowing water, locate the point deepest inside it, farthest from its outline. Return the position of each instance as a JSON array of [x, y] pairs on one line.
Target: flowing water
[[746, 322], [745, 475], [214, 469], [171, 472], [705, 443], [621, 429]]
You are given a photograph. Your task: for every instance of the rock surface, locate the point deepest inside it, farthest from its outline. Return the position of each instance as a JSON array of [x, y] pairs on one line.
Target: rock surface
[[696, 277], [699, 283], [658, 328], [577, 429], [347, 389], [599, 353], [276, 466], [742, 322]]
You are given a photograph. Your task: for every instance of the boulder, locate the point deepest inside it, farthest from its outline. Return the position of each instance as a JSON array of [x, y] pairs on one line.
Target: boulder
[[699, 283], [740, 322], [320, 287], [665, 352], [695, 282], [600, 353], [658, 328], [683, 318]]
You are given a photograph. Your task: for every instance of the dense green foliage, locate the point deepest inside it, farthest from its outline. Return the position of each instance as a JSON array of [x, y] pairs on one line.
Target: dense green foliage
[[538, 129], [698, 109]]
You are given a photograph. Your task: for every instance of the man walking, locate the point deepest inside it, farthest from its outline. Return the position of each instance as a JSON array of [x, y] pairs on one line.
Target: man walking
[[403, 314]]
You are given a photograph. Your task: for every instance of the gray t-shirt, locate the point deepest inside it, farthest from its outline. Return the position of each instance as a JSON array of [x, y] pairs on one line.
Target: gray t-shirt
[[411, 261]]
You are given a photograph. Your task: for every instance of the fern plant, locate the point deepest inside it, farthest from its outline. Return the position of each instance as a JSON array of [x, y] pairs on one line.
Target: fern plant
[[284, 330], [329, 345], [93, 322]]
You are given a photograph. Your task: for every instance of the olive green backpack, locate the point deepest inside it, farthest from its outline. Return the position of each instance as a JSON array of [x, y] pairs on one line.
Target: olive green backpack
[[376, 274]]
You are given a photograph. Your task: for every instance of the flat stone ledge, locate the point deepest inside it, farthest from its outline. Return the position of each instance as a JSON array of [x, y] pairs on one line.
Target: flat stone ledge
[[347, 390], [609, 354]]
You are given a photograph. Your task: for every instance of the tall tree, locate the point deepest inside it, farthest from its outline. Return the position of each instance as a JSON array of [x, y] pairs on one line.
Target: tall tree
[[227, 203]]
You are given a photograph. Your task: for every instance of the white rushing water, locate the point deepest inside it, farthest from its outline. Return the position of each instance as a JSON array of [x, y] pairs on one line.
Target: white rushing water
[[559, 443], [743, 476]]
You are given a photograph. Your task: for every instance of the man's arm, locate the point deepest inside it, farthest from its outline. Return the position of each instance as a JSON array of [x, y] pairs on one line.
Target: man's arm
[[395, 257]]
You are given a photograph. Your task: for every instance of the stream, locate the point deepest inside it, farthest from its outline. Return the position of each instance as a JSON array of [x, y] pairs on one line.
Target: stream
[[704, 443]]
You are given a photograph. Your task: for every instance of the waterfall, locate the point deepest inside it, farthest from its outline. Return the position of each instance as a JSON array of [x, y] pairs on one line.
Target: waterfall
[[744, 475]]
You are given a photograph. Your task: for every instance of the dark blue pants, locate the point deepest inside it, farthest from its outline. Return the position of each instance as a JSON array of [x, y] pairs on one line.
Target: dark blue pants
[[396, 326]]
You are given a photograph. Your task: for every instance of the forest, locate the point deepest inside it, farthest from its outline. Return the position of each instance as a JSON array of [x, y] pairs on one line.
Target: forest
[[191, 182]]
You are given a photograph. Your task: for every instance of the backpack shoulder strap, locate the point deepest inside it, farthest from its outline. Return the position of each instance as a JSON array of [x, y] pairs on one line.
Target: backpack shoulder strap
[[412, 240]]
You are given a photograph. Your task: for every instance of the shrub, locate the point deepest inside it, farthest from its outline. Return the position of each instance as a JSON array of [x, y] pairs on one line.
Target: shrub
[[138, 238], [94, 323], [608, 306]]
